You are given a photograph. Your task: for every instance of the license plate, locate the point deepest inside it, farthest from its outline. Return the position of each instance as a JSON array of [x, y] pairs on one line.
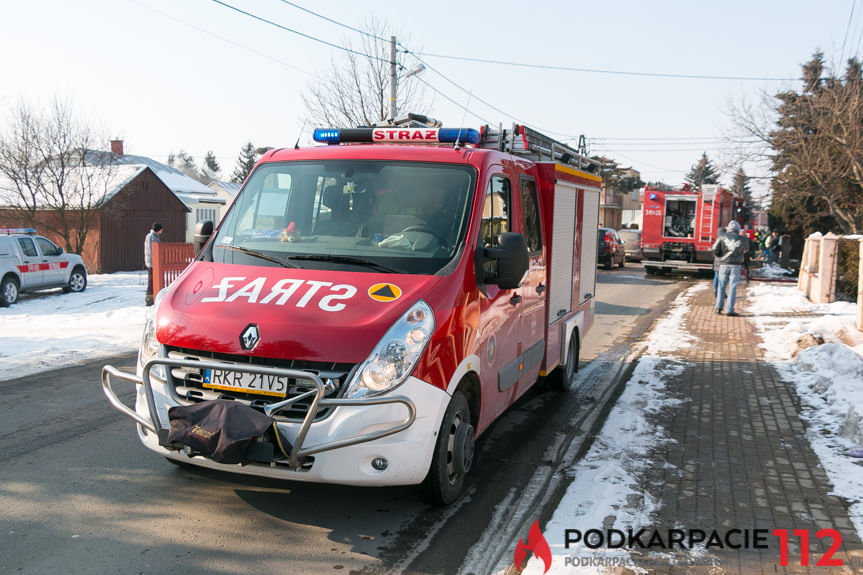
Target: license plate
[[257, 383]]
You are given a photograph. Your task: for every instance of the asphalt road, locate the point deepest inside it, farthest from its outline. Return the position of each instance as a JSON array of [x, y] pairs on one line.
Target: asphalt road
[[79, 494]]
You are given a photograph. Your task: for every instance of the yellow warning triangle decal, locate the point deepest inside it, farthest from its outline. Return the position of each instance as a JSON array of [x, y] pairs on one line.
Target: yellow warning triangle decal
[[385, 292]]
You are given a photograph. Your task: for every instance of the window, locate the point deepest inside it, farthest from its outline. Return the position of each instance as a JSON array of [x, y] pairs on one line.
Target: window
[[530, 207], [205, 214], [495, 210], [27, 247], [48, 248], [410, 217]]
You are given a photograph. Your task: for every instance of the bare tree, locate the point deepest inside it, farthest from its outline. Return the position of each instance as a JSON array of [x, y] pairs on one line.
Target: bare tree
[[815, 139], [355, 90], [54, 178]]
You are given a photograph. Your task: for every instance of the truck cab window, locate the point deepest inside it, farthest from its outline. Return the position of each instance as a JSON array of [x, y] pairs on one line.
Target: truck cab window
[[495, 210], [530, 207]]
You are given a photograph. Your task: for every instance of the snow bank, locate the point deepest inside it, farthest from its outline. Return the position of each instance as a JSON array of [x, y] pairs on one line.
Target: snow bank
[[828, 378]]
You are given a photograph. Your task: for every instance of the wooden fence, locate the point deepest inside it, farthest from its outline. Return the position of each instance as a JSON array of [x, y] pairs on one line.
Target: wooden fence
[[169, 261]]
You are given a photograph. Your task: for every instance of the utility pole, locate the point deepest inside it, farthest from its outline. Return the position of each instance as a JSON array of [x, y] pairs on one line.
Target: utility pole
[[393, 80]]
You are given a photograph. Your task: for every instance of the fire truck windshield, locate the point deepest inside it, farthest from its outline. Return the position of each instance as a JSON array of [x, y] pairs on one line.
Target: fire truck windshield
[[408, 217]]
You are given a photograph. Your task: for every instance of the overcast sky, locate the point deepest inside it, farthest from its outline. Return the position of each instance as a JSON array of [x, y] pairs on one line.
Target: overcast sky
[[165, 75]]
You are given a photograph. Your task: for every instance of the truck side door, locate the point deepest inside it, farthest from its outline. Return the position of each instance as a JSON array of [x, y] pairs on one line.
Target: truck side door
[[54, 272], [31, 272], [499, 311], [533, 294]]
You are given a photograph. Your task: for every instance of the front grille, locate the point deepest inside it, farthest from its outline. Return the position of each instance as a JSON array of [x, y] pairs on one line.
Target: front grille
[[189, 383]]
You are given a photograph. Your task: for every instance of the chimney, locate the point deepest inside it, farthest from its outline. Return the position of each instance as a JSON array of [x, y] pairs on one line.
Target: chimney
[[117, 147]]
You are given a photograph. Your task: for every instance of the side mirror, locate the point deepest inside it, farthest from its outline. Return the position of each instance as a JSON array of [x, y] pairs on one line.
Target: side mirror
[[203, 231], [512, 260]]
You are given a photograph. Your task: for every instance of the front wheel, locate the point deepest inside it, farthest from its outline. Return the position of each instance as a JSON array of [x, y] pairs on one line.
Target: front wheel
[[563, 377], [453, 454], [77, 281], [8, 291]]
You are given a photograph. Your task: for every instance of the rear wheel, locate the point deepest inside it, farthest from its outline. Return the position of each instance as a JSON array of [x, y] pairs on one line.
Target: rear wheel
[[77, 281], [650, 270], [563, 377], [453, 454], [8, 291]]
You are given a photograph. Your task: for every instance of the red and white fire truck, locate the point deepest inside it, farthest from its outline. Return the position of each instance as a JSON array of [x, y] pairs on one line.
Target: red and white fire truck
[[679, 226], [383, 298]]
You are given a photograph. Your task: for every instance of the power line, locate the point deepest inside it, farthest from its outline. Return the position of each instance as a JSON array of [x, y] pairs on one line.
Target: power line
[[612, 72], [336, 22], [677, 138], [224, 39], [427, 65], [847, 27], [292, 31]]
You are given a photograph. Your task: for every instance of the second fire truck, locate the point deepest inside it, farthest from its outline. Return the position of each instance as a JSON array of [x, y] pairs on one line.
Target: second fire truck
[[679, 226]]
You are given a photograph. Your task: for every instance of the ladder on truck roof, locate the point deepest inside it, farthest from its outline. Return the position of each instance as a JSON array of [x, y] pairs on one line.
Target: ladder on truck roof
[[524, 141]]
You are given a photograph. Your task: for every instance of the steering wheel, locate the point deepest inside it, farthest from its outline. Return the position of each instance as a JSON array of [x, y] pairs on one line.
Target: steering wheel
[[441, 240]]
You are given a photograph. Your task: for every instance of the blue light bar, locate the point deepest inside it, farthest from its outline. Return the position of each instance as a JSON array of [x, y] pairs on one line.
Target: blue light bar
[[9, 231], [397, 135], [326, 136], [463, 135]]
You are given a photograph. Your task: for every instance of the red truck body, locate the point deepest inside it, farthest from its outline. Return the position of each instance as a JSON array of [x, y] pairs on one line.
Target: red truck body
[[679, 227]]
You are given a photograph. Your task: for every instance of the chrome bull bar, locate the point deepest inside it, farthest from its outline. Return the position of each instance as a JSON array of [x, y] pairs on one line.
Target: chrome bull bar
[[298, 452]]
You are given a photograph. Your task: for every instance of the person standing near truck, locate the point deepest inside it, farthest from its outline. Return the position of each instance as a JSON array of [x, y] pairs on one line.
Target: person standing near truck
[[731, 250], [149, 240]]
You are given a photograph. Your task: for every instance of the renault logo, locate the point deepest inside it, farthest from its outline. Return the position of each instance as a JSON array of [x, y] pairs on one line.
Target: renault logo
[[250, 337]]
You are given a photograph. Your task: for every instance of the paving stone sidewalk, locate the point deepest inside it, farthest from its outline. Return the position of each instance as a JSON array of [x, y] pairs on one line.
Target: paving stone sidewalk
[[739, 458]]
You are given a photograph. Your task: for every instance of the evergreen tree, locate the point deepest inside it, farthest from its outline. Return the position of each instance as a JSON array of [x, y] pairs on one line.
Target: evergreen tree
[[740, 187], [210, 170], [245, 162], [211, 163], [703, 173]]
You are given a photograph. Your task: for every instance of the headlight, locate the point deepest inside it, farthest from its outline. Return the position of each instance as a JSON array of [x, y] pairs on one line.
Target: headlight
[[150, 346], [394, 357]]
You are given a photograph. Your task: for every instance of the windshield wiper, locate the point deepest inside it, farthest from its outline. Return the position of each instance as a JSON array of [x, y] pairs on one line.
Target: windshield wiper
[[347, 260], [258, 254]]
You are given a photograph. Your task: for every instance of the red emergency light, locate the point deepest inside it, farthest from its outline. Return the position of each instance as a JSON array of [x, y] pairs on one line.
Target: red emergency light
[[397, 135]]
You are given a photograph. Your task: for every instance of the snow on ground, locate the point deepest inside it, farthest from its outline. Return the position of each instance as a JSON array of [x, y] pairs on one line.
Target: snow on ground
[[52, 329], [828, 378], [604, 493]]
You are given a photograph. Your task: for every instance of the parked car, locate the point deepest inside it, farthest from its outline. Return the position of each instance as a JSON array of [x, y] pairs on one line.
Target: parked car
[[631, 244], [610, 248], [29, 262]]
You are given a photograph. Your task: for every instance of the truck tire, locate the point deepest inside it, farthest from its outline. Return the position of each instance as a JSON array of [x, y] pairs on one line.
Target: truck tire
[[563, 376], [650, 270], [77, 280], [453, 454], [8, 291]]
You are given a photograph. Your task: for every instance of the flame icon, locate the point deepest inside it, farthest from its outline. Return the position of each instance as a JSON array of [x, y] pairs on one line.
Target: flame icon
[[536, 543]]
